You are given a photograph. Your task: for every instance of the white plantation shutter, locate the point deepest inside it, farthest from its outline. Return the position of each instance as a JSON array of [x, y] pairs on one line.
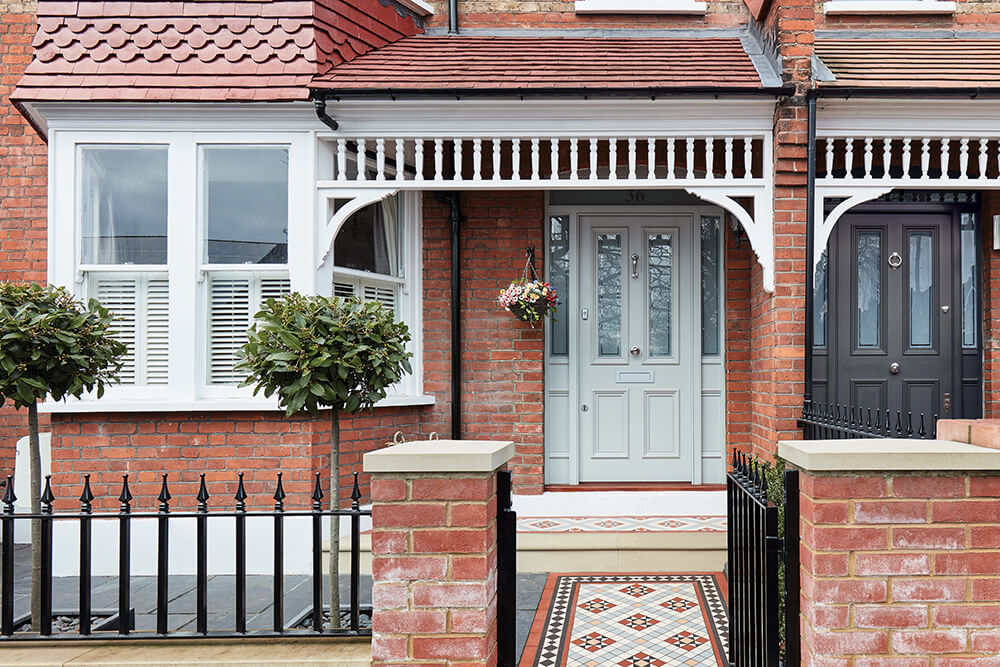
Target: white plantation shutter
[[344, 290], [140, 305], [232, 304], [384, 292]]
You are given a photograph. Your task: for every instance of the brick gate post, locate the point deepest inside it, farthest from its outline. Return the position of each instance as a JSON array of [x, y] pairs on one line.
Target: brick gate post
[[900, 552], [434, 552]]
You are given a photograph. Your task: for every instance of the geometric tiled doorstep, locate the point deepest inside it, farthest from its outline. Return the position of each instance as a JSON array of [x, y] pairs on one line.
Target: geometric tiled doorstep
[[622, 524], [632, 620]]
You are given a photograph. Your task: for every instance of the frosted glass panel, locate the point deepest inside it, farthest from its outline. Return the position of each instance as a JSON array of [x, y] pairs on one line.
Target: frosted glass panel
[[660, 260], [559, 277], [820, 302], [710, 315], [869, 281], [921, 283], [609, 295], [968, 276]]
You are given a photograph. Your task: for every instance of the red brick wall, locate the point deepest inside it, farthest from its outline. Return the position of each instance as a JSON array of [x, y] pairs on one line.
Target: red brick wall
[[560, 14], [991, 309], [221, 445], [22, 189], [900, 570], [737, 318], [502, 357]]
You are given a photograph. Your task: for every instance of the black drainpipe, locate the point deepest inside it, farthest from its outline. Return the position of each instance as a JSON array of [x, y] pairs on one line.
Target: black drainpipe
[[452, 17], [455, 218], [810, 241], [321, 113]]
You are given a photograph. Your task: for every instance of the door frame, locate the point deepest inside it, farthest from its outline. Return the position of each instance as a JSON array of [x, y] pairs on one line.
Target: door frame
[[573, 358], [902, 208]]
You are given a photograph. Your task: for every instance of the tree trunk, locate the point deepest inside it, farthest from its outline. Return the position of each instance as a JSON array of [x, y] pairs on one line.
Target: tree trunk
[[35, 460], [334, 520]]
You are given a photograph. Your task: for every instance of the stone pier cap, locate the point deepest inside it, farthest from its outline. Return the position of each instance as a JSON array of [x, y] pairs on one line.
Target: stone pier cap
[[437, 456], [888, 454]]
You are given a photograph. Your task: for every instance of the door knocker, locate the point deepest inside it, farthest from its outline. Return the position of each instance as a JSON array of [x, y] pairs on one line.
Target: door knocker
[[895, 260], [635, 265]]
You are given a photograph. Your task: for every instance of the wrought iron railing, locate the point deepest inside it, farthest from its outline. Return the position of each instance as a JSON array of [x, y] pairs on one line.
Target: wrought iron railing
[[760, 635], [832, 421], [122, 625]]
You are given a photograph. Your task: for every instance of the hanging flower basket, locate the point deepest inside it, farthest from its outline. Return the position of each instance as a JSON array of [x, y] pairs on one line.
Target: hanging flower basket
[[529, 300]]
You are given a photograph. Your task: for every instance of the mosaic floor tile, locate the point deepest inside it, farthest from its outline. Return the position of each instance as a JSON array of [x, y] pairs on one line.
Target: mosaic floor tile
[[632, 620], [622, 524]]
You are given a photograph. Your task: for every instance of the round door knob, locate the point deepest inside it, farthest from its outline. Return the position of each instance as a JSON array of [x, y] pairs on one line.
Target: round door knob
[[635, 350], [894, 368]]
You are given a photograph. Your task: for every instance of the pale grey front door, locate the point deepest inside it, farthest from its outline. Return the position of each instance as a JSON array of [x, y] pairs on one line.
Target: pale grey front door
[[640, 357]]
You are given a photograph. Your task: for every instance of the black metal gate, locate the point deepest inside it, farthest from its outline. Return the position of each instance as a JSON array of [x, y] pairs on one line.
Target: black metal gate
[[506, 573], [760, 635]]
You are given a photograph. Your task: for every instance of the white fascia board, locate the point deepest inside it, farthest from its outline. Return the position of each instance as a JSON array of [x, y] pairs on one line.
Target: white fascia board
[[889, 7], [640, 7], [171, 116], [478, 117], [418, 7], [930, 116]]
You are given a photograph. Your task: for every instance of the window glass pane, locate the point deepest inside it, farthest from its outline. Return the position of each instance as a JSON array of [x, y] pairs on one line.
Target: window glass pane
[[921, 283], [820, 302], [710, 268], [970, 271], [559, 277], [370, 239], [609, 295], [869, 280], [123, 205], [660, 260], [246, 205]]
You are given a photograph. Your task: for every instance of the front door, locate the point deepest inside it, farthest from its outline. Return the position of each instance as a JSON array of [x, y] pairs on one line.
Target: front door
[[640, 371], [904, 315]]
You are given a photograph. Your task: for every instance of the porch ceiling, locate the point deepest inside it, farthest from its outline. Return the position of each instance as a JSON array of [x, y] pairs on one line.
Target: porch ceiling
[[481, 62]]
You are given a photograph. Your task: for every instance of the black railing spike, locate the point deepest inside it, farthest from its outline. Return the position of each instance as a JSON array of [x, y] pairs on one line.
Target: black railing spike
[[356, 494], [763, 487], [125, 497], [279, 496], [909, 423], [888, 423], [899, 422], [735, 460], [868, 424], [241, 496], [203, 495], [742, 464], [934, 421], [164, 496], [8, 496], [47, 496], [87, 497], [317, 495], [922, 432]]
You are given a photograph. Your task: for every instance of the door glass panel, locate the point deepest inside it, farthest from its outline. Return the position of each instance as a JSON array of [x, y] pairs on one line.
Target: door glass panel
[[609, 295], [820, 302], [869, 280], [969, 273], [660, 260], [559, 277], [710, 285], [921, 282]]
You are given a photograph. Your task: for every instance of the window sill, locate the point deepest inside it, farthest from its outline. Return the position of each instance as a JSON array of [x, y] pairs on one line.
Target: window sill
[[204, 405], [889, 6], [640, 7]]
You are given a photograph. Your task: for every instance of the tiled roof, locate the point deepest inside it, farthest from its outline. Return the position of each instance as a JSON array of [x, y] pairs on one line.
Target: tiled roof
[[511, 63], [911, 62], [196, 50]]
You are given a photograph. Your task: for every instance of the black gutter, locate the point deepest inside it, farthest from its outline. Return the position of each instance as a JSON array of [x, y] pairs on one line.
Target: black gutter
[[652, 92], [455, 219], [321, 113], [903, 91], [810, 236]]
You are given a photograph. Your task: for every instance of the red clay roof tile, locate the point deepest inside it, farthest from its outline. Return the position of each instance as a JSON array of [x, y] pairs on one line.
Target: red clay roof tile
[[483, 62], [194, 50], [911, 62]]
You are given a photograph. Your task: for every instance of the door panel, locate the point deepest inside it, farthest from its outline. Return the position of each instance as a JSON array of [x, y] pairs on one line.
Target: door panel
[[902, 307], [638, 376]]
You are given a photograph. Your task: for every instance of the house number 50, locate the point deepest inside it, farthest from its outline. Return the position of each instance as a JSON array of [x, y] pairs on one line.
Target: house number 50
[[635, 196]]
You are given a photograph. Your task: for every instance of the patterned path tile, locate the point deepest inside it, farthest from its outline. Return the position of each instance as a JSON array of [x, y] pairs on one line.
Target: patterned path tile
[[622, 524], [632, 620]]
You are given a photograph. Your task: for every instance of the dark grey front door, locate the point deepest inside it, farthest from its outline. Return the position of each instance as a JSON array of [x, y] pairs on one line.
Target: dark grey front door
[[903, 313]]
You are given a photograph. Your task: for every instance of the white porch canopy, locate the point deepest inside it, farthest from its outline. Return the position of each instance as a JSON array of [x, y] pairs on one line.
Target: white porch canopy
[[719, 150], [868, 147]]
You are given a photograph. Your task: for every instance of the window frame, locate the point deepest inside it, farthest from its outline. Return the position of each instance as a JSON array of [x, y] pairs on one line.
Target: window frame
[[189, 276]]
